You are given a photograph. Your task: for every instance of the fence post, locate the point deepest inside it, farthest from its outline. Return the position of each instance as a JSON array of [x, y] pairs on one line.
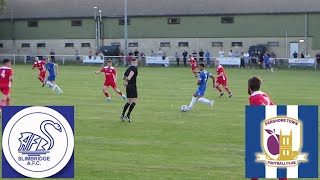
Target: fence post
[[25, 59], [63, 60], [14, 59]]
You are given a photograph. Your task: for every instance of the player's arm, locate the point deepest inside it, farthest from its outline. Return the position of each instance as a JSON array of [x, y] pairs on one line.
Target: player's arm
[[127, 79], [100, 71], [219, 75], [33, 66], [56, 68], [212, 77]]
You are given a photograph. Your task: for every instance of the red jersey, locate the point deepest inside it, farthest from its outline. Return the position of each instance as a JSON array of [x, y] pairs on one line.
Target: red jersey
[[260, 98], [110, 73], [5, 74], [193, 62], [220, 69], [40, 65]]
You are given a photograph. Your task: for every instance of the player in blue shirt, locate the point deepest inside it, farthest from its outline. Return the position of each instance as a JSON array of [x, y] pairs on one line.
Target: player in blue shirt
[[52, 68], [267, 63], [202, 83]]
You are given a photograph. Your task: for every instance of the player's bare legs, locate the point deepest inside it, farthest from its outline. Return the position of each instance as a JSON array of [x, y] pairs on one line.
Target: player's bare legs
[[8, 100], [217, 85], [106, 93], [120, 93], [3, 101]]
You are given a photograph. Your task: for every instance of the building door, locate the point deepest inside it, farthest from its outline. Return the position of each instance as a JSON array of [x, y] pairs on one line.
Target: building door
[[294, 46]]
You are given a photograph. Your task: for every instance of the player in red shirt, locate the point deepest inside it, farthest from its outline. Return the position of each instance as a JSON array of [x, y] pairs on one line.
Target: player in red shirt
[[193, 63], [221, 79], [258, 98], [41, 66], [6, 77], [110, 80]]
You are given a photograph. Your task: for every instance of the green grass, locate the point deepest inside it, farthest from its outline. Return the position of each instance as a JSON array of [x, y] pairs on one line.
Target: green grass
[[162, 142]]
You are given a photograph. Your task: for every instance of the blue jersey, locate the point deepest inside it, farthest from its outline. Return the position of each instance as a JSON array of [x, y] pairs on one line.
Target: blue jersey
[[203, 77], [50, 68]]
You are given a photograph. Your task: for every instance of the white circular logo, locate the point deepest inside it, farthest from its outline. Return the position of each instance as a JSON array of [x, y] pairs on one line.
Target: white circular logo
[[38, 142]]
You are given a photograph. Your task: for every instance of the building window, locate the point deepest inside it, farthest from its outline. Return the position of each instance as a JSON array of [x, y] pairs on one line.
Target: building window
[[183, 44], [121, 21], [115, 44], [164, 44], [273, 44], [32, 23], [25, 45], [236, 44], [217, 44], [1, 45], [69, 45], [227, 20], [85, 45], [173, 20], [76, 23], [134, 44], [41, 44]]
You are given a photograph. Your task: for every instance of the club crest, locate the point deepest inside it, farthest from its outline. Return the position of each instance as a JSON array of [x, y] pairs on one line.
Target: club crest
[[281, 141]]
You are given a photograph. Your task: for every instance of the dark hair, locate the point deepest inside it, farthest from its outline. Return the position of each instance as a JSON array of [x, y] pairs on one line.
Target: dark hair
[[254, 84], [109, 60], [202, 65], [133, 59], [5, 61]]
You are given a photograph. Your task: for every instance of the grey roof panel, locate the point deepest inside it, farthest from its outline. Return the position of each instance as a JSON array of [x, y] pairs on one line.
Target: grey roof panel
[[114, 8]]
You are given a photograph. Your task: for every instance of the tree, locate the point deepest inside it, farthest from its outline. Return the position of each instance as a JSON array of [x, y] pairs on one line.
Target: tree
[[2, 4]]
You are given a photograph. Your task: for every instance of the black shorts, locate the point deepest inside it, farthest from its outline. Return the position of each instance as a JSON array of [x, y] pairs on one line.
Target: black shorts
[[132, 91]]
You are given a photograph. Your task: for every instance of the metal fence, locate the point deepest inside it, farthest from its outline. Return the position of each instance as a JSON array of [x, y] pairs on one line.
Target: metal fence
[[281, 63]]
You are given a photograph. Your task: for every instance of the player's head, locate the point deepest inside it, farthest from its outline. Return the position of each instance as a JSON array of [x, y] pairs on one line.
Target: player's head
[[217, 62], [190, 56], [134, 62], [6, 62], [254, 84], [36, 59], [201, 66], [109, 63], [46, 60]]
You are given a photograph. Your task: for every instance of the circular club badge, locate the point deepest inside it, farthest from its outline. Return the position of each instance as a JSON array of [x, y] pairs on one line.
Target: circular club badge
[[38, 142]]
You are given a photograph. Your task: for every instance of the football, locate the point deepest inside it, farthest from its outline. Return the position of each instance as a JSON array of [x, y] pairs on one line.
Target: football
[[184, 108]]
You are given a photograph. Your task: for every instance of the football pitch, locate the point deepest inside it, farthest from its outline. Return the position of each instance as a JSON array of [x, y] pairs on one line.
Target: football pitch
[[162, 142]]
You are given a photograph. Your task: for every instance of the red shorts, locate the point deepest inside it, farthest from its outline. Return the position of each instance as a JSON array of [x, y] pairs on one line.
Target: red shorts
[[112, 84], [42, 75], [5, 90], [193, 68], [221, 81]]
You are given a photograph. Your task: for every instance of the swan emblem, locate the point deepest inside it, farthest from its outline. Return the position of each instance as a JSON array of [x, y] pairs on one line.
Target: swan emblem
[[34, 144]]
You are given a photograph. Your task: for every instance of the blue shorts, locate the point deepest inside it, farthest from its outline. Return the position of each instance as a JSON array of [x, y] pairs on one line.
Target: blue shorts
[[268, 65], [200, 91], [52, 78]]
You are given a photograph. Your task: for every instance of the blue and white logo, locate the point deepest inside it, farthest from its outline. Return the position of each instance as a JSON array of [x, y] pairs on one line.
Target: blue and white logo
[[37, 142], [282, 141]]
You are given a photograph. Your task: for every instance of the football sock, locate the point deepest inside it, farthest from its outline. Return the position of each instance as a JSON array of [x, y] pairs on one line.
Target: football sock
[[58, 89], [3, 101], [106, 94], [40, 79], [125, 107], [50, 84], [8, 102], [119, 92], [219, 89], [131, 108], [204, 100], [193, 101], [227, 89]]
